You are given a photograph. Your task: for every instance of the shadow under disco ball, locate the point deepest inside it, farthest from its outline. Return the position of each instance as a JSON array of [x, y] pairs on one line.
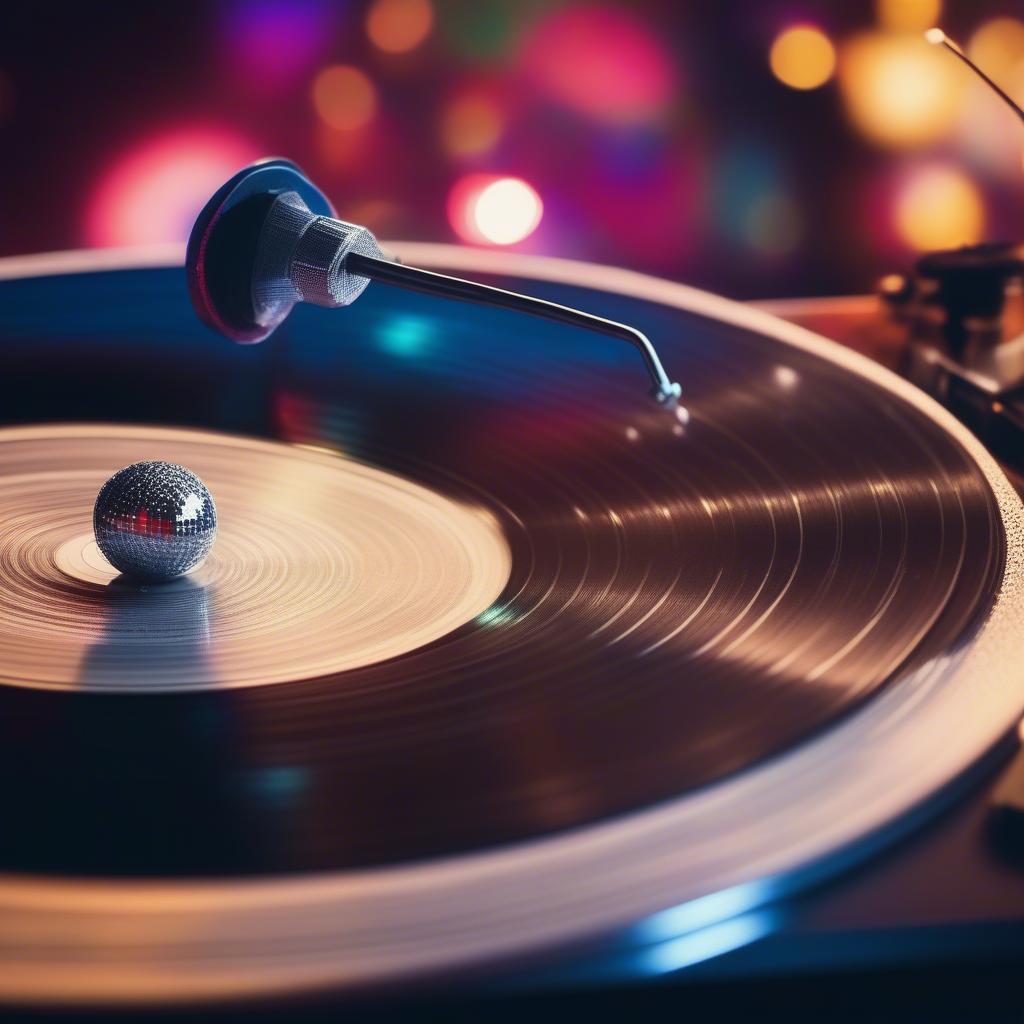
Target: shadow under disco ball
[[154, 521]]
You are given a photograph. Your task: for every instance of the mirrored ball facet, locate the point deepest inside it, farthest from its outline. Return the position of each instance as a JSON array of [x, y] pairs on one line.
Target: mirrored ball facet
[[154, 520]]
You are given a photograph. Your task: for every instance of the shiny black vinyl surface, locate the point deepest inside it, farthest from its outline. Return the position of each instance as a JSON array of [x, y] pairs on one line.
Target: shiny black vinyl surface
[[686, 598]]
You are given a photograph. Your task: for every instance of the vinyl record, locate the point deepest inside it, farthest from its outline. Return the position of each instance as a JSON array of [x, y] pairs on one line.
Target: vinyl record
[[480, 617]]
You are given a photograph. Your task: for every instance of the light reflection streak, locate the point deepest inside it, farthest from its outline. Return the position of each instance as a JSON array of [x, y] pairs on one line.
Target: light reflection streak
[[700, 913], [714, 941]]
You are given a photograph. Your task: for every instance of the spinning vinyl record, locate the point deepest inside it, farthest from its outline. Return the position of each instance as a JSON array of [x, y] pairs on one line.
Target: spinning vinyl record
[[494, 657]]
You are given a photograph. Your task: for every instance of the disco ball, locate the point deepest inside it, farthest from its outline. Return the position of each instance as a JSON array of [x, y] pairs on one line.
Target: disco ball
[[154, 520]]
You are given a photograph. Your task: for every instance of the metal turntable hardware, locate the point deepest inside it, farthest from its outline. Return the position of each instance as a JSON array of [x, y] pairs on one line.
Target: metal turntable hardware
[[962, 312], [268, 239]]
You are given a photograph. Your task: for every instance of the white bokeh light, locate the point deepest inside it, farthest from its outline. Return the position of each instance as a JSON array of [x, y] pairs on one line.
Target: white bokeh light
[[506, 211]]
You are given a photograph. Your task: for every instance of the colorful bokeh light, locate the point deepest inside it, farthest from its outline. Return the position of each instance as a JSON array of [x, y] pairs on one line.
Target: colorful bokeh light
[[908, 15], [899, 90], [344, 97], [270, 44], [489, 210], [154, 192], [381, 216], [645, 197], [774, 224], [482, 31], [998, 48], [752, 202], [471, 124], [601, 61], [939, 207], [677, 139], [802, 57], [398, 26], [989, 130]]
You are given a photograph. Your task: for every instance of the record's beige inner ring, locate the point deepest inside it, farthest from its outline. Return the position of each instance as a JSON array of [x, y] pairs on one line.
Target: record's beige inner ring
[[321, 564]]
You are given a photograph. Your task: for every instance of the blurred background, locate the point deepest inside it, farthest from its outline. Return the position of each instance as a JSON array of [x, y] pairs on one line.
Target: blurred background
[[755, 147]]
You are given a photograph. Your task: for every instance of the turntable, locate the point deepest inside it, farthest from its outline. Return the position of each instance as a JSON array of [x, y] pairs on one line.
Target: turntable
[[494, 669], [502, 674]]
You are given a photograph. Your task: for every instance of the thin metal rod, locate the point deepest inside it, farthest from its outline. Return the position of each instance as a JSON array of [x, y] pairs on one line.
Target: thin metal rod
[[937, 37], [414, 279]]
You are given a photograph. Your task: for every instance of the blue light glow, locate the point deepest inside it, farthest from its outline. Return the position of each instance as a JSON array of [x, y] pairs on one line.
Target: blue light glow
[[699, 913], [496, 615], [408, 337], [710, 942], [278, 784], [744, 176]]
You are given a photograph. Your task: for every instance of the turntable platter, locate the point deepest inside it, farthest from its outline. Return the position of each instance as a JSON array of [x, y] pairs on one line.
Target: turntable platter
[[627, 637]]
